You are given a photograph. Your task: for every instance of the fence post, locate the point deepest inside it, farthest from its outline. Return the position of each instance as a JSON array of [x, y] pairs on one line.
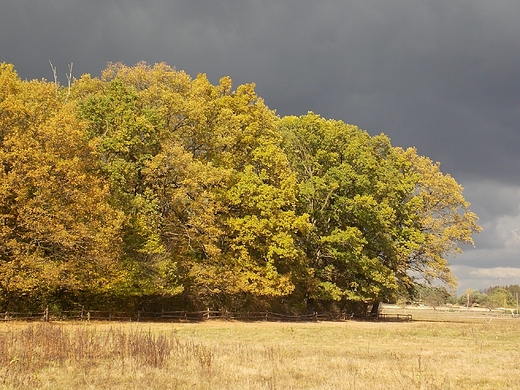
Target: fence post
[[46, 314], [6, 317], [110, 315], [138, 315]]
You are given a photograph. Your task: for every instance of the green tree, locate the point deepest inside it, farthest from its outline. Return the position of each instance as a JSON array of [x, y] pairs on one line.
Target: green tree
[[357, 191], [126, 135], [501, 297], [381, 217], [431, 295]]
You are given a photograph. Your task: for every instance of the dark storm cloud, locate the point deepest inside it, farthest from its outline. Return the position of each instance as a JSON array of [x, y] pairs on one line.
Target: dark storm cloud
[[435, 74]]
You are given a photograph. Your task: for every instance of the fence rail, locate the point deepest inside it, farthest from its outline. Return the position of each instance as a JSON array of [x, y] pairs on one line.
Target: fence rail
[[196, 316], [388, 315], [14, 316]]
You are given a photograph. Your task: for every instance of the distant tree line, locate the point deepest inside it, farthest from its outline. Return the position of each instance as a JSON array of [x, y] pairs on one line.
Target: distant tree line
[[493, 297], [147, 188]]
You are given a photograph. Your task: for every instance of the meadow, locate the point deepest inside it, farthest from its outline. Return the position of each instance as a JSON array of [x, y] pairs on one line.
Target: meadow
[[434, 351]]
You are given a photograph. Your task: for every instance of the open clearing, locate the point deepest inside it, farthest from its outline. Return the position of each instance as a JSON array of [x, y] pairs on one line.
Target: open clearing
[[448, 353]]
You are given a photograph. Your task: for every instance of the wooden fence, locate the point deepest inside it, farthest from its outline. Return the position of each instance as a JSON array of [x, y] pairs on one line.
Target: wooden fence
[[196, 316]]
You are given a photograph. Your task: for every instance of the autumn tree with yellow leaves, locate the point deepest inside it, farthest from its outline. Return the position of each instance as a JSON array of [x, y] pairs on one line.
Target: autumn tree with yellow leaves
[[58, 232]]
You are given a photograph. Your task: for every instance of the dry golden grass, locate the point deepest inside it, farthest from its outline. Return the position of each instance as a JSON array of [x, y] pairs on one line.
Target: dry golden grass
[[230, 355]]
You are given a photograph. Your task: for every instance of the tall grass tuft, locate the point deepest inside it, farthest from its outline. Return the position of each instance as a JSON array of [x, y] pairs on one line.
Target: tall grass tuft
[[27, 351]]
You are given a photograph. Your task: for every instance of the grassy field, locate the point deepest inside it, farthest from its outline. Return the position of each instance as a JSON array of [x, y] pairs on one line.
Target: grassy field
[[448, 353]]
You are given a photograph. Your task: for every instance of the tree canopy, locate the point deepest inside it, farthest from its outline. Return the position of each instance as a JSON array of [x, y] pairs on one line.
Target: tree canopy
[[146, 185]]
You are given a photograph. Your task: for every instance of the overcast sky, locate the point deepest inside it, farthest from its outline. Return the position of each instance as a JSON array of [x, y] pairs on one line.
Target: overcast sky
[[440, 75]]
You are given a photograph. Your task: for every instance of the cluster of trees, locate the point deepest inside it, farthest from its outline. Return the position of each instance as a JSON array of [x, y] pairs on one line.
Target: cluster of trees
[[493, 297], [146, 187], [428, 296]]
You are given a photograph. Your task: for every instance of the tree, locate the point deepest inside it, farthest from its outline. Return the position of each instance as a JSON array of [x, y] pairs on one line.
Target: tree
[[381, 217], [431, 295], [126, 133], [446, 223], [56, 227], [354, 188], [501, 297]]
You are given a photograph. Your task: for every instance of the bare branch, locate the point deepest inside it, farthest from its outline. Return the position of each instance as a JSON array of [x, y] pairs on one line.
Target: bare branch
[[69, 80], [55, 77]]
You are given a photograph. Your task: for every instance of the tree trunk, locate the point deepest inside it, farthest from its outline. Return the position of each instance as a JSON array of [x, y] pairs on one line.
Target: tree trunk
[[376, 309]]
